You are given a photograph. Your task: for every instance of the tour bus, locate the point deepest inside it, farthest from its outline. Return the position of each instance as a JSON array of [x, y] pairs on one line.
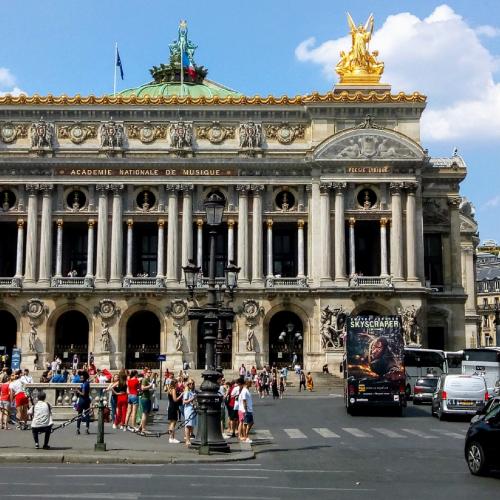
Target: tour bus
[[422, 363], [454, 361], [483, 361]]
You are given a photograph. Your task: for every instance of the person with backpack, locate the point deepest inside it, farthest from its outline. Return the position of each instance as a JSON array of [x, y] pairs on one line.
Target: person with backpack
[[232, 409], [83, 403], [41, 420]]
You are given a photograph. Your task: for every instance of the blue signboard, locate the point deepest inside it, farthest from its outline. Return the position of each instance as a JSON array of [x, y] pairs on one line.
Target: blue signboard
[[161, 357], [16, 359]]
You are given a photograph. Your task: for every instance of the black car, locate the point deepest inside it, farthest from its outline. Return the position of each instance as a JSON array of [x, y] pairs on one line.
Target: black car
[[424, 389], [482, 443]]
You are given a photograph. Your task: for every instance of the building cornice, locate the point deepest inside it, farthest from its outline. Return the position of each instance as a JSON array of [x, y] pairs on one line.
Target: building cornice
[[315, 97]]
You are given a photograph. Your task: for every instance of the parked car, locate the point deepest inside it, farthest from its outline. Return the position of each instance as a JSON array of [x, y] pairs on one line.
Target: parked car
[[459, 395], [482, 443], [424, 389], [492, 403]]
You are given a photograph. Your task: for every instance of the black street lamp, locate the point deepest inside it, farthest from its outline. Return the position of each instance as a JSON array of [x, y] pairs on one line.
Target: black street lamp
[[212, 315]]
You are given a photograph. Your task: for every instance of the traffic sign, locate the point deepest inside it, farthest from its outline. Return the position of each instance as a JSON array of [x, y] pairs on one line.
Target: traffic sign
[[161, 357]]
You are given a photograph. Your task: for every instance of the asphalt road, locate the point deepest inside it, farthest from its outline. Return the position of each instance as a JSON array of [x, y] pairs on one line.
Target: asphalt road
[[306, 447]]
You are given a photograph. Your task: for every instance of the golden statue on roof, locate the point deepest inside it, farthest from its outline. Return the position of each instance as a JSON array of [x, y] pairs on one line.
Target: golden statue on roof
[[360, 66]]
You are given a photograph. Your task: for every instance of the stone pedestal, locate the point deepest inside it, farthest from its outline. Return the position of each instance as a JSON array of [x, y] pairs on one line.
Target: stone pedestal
[[248, 359], [334, 360], [103, 360], [175, 361], [28, 360]]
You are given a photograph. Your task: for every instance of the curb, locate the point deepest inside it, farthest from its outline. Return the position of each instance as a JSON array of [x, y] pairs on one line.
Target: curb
[[111, 457]]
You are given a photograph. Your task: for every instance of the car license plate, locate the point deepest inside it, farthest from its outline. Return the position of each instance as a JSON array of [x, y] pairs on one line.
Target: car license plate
[[466, 403]]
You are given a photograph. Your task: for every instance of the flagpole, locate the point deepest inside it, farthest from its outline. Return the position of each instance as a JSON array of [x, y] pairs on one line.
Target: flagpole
[[114, 78]]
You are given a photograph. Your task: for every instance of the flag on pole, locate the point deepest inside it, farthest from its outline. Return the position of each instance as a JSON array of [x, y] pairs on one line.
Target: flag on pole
[[188, 64], [119, 63]]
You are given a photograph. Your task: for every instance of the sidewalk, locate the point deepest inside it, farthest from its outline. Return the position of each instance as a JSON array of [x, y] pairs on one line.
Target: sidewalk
[[123, 447]]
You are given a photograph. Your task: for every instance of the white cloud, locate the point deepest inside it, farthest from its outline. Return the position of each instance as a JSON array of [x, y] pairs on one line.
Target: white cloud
[[440, 56], [487, 30], [8, 83], [492, 203]]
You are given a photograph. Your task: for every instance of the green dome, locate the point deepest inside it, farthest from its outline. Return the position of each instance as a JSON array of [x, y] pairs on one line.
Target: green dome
[[205, 88]]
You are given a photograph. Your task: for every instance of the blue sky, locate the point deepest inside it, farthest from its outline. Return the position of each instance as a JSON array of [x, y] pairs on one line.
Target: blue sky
[[448, 50]]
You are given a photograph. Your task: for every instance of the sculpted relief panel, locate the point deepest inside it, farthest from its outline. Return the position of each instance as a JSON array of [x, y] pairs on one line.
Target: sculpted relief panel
[[369, 144]]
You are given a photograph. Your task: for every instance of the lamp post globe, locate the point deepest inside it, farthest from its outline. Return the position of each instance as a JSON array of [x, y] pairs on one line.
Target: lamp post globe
[[231, 274], [191, 271], [214, 209]]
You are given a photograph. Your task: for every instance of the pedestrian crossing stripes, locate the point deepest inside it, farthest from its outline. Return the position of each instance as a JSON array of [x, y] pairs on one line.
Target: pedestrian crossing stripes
[[324, 432], [295, 434], [354, 432]]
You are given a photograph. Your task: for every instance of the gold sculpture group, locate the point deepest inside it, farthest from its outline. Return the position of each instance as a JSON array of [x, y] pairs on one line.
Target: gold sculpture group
[[360, 66]]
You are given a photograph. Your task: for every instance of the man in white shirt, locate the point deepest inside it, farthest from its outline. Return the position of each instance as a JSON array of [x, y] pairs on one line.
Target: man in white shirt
[[26, 378], [42, 421], [245, 410]]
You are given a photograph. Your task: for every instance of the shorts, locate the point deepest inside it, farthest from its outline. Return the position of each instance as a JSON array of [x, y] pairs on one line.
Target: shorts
[[133, 399], [232, 413], [22, 399], [248, 418], [5, 405], [145, 405], [241, 415]]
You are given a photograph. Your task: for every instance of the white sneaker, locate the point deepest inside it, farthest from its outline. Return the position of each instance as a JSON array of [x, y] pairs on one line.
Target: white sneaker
[[124, 429], [173, 441], [247, 440], [114, 426]]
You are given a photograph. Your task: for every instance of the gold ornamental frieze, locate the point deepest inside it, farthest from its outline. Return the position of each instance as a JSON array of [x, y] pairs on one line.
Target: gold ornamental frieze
[[146, 172], [10, 132], [77, 133], [285, 133], [147, 133], [215, 132]]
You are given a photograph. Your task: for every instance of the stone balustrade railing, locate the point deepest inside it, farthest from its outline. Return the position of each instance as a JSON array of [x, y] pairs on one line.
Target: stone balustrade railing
[[280, 282], [72, 282], [371, 281], [14, 282], [143, 282], [62, 397]]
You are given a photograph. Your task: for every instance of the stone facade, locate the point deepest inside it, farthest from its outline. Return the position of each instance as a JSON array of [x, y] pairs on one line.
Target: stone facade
[[331, 201]]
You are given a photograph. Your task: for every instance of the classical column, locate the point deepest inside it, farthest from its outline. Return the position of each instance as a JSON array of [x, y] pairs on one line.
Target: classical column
[[326, 243], [101, 272], [270, 270], [172, 233], [160, 265], [411, 248], [314, 233], [383, 247], [187, 224], [230, 240], [117, 235], [455, 246], [20, 247], [396, 232], [300, 250], [59, 247], [130, 242], [243, 232], [352, 247], [46, 234], [257, 248], [90, 248], [199, 243], [340, 274], [31, 234]]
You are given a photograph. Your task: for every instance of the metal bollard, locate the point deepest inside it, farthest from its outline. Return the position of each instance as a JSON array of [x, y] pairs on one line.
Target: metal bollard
[[100, 444]]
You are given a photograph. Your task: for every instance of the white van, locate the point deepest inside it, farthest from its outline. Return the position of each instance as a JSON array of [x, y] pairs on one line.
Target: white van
[[459, 395]]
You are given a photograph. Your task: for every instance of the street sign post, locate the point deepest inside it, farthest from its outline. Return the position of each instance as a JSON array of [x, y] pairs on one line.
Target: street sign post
[[161, 358]]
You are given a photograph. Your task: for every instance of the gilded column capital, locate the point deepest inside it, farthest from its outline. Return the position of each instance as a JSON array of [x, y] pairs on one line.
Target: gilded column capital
[[384, 221], [91, 223], [300, 223], [20, 223], [256, 189], [186, 188], [32, 189], [454, 201], [411, 187], [117, 189], [130, 222], [396, 187], [46, 189], [243, 189], [325, 188], [308, 188], [161, 222], [339, 187], [352, 221], [59, 223], [102, 189], [231, 223], [199, 222], [269, 223]]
